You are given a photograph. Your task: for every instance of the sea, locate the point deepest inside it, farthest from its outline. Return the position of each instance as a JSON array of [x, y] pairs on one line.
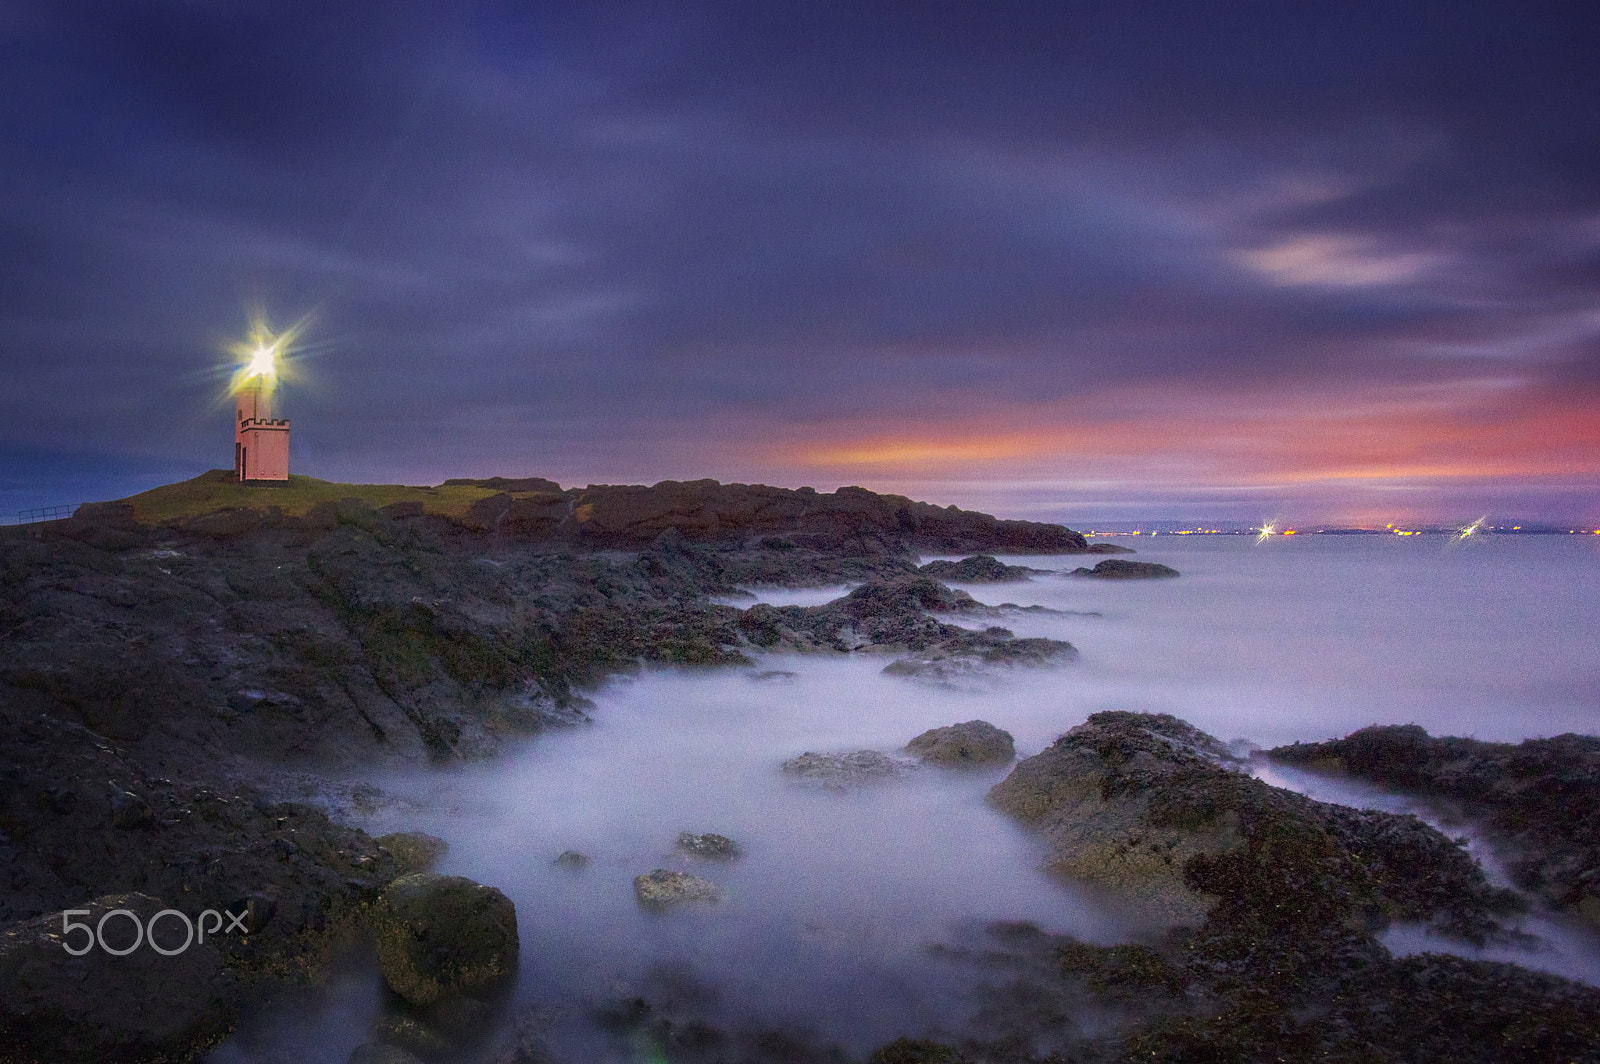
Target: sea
[[845, 910]]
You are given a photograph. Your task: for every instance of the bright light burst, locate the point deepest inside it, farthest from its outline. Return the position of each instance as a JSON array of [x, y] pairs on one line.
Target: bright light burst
[[262, 357], [1470, 529], [1266, 530]]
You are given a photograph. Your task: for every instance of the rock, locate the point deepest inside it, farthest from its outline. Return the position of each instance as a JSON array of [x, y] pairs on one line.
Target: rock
[[571, 859], [970, 744], [1153, 811], [441, 934], [128, 810], [411, 1036], [915, 1051], [99, 1007], [1120, 569], [661, 889], [1108, 548], [257, 910], [978, 569], [842, 771], [414, 851], [1539, 800], [378, 1053], [987, 649], [716, 847]]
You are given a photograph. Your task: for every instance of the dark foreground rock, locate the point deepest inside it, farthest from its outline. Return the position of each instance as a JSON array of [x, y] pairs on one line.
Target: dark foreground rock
[[1108, 548], [1122, 569], [979, 569], [1273, 901], [974, 743], [298, 884], [1540, 799], [98, 1007], [1175, 1002], [444, 935]]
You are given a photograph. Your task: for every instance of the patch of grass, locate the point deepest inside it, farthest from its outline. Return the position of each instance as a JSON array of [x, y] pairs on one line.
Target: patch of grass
[[218, 490]]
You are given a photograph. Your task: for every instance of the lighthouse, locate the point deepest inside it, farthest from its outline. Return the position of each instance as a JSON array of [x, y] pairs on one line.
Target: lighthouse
[[260, 441]]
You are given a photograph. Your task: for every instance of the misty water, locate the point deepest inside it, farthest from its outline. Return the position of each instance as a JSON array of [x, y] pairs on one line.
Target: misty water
[[833, 905]]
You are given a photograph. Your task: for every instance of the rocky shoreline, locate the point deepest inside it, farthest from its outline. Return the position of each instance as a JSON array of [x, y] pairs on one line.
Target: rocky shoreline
[[158, 675]]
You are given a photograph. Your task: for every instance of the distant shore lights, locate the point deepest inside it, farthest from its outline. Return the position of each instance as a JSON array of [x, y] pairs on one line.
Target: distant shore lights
[[260, 441]]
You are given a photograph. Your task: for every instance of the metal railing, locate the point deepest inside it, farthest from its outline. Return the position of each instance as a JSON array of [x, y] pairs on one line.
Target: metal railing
[[42, 513]]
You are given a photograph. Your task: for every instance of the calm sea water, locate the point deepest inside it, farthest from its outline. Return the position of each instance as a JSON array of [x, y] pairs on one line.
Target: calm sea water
[[831, 909]]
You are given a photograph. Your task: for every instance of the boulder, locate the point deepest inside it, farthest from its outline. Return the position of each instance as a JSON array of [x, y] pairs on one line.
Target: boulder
[[973, 743], [413, 851], [662, 889], [1155, 812], [571, 859], [716, 847], [1122, 569], [444, 934], [843, 771], [99, 1007], [1108, 548], [978, 569]]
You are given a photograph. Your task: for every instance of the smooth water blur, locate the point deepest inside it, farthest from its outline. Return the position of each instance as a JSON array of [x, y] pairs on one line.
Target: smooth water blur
[[838, 895], [1310, 637]]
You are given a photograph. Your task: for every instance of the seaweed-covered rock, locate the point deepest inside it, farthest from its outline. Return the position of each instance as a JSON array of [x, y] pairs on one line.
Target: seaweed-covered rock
[[1540, 799], [444, 934], [843, 771], [1122, 569], [969, 744], [1151, 809], [980, 653], [413, 851], [978, 569], [714, 847], [663, 888]]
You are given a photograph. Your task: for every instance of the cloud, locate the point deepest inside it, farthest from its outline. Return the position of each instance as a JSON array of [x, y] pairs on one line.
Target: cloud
[[673, 240]]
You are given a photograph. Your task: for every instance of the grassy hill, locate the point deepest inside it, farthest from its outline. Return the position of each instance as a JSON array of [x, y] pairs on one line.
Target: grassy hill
[[219, 490]]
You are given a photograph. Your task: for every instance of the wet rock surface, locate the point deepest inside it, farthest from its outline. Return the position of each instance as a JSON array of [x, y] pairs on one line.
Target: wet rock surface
[[1122, 569], [973, 743], [1157, 812], [1540, 799], [859, 768], [439, 936]]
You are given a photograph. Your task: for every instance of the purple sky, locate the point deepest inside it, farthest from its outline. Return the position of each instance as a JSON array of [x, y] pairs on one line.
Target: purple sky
[[1333, 262]]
